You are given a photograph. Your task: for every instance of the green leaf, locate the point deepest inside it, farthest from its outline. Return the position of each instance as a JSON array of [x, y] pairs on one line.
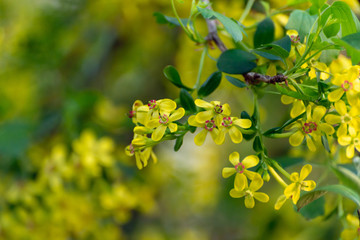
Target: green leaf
[[278, 50], [210, 84], [279, 129], [230, 25], [331, 30], [163, 19], [319, 192], [300, 21], [245, 115], [178, 143], [236, 61], [347, 177], [325, 143], [317, 3], [352, 45], [173, 76], [257, 144], [293, 94], [314, 208], [236, 82], [187, 101], [342, 13], [264, 32]]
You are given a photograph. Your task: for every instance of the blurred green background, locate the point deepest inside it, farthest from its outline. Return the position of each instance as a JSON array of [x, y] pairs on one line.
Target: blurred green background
[[69, 72]]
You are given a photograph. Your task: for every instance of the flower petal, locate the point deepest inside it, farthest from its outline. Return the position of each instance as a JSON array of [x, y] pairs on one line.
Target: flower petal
[[167, 105], [200, 137], [249, 201], [250, 161], [308, 185], [226, 109], [305, 171], [173, 127], [153, 123], [280, 202], [235, 134], [340, 107], [350, 151], [353, 97], [244, 123], [221, 136], [344, 140], [228, 171], [336, 95], [326, 128], [296, 195], [256, 183], [290, 189], [192, 122], [296, 139], [158, 133], [297, 109], [177, 114], [262, 197], [236, 194], [342, 130], [204, 116], [234, 158], [203, 104], [287, 100], [332, 119], [318, 113], [240, 182]]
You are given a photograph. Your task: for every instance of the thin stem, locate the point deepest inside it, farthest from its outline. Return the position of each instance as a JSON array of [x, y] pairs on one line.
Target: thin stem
[[179, 20], [280, 169], [201, 65], [277, 177], [246, 11]]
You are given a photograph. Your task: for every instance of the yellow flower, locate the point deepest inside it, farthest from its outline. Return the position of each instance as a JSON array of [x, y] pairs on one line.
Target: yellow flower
[[230, 125], [349, 84], [320, 67], [280, 201], [240, 168], [299, 183], [142, 156], [312, 128], [209, 127], [352, 231], [212, 110], [352, 142], [298, 105], [347, 120], [134, 115], [249, 192], [154, 108], [163, 122]]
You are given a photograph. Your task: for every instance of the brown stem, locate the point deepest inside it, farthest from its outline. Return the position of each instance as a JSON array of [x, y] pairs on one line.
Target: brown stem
[[212, 29], [254, 78]]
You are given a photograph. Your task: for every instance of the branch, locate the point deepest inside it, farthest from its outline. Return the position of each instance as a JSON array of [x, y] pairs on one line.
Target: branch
[[254, 78], [213, 35]]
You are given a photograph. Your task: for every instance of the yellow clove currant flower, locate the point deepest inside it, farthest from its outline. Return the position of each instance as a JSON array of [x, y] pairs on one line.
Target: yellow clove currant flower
[[208, 126], [240, 168], [141, 156], [352, 142], [312, 128], [352, 231], [349, 84], [163, 122], [250, 192], [213, 110], [299, 183], [347, 119], [154, 108], [230, 125]]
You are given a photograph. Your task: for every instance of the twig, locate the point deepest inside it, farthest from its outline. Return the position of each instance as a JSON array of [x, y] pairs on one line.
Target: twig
[[254, 78], [213, 35]]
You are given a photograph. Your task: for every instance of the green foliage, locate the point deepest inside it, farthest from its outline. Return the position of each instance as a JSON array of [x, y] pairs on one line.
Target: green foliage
[[186, 100], [352, 45], [236, 82], [173, 76], [210, 84], [236, 61], [302, 22], [264, 32]]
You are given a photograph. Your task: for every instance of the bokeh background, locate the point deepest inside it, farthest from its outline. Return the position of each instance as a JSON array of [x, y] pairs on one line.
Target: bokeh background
[[69, 72]]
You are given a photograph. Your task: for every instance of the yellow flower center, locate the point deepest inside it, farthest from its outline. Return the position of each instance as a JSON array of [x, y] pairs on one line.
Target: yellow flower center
[[346, 118], [239, 167], [248, 192], [152, 104], [209, 125], [346, 85], [218, 109], [227, 122], [356, 141], [309, 127]]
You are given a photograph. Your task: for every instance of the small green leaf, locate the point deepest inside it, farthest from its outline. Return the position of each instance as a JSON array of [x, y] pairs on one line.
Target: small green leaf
[[331, 30], [300, 21], [293, 94], [210, 84], [319, 192], [178, 143], [236, 82], [230, 25], [257, 144], [173, 76], [187, 101], [264, 32], [163, 19], [325, 143], [236, 61], [278, 50], [313, 209], [279, 129]]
